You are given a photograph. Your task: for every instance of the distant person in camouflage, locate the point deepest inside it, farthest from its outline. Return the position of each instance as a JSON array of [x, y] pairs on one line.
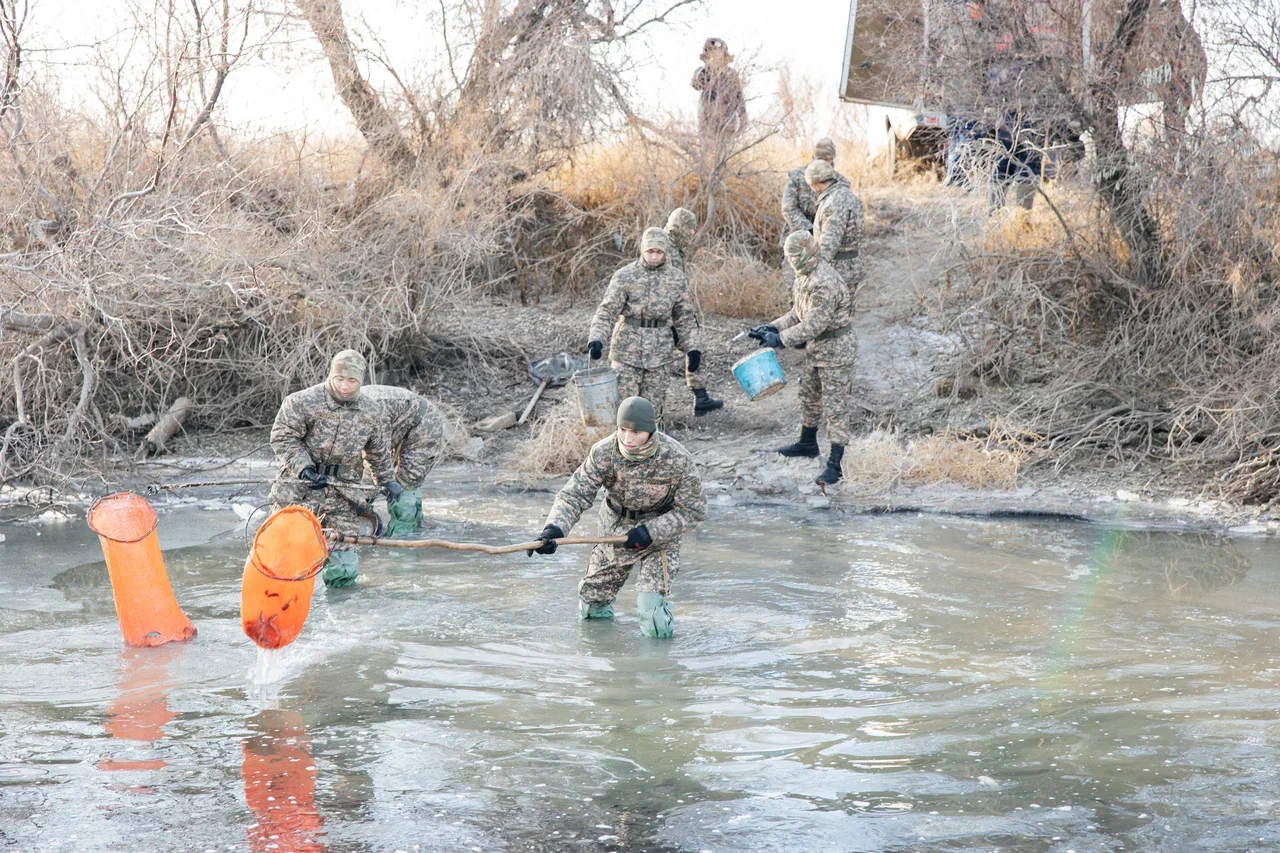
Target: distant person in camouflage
[[722, 110], [645, 301], [681, 226], [838, 223], [322, 436], [799, 201], [653, 494], [415, 434], [820, 321]]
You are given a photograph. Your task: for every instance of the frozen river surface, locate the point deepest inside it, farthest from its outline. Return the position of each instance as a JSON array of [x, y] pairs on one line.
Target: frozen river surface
[[836, 683]]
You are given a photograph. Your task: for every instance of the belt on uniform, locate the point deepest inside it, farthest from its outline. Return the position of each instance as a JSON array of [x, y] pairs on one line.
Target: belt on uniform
[[341, 472], [637, 514], [832, 334], [645, 324], [847, 256]]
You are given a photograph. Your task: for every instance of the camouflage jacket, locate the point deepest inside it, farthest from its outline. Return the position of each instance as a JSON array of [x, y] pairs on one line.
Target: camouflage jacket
[[837, 225], [675, 252], [721, 106], [641, 292], [402, 410], [312, 428], [665, 489], [820, 305], [800, 202]]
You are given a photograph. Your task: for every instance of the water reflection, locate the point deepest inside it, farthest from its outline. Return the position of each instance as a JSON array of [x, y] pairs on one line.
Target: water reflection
[[1190, 566], [141, 710], [280, 784]]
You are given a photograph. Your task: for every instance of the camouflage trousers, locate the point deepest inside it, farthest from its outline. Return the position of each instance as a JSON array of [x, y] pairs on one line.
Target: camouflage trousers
[[328, 505], [828, 388], [608, 568], [638, 382], [851, 273], [415, 456]]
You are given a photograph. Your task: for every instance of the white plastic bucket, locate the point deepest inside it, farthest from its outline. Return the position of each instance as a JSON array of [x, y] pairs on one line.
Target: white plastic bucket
[[596, 390]]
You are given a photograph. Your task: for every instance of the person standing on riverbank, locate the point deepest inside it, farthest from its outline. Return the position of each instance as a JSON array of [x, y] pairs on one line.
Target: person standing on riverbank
[[837, 223], [682, 224], [414, 430], [654, 494], [645, 301], [820, 321], [722, 109], [322, 437]]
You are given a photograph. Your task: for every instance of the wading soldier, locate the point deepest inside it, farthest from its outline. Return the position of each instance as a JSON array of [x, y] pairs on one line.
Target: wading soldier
[[645, 301], [681, 226], [415, 431], [319, 437], [653, 493], [837, 224], [799, 201], [820, 320]]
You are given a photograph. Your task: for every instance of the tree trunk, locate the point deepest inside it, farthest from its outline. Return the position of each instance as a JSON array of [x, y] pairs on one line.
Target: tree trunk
[[373, 119]]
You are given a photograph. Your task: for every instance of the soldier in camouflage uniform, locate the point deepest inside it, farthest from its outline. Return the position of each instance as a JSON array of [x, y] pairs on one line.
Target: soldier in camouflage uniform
[[415, 432], [322, 436], [820, 321], [644, 302], [722, 110], [681, 226], [799, 201], [837, 225], [653, 494]]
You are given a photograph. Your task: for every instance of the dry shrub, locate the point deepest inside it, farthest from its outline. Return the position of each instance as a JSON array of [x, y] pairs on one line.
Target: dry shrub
[[738, 287], [882, 460], [558, 444]]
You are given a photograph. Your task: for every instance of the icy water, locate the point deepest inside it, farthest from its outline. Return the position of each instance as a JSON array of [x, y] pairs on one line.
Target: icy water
[[836, 683]]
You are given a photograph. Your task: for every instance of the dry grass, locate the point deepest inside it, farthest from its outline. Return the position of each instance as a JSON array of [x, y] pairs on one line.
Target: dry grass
[[882, 460], [738, 287], [558, 445]]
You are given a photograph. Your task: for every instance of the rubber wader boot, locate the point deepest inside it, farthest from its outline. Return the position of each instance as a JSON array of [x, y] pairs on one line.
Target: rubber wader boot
[[341, 568], [807, 446], [656, 618], [406, 514], [704, 402], [595, 611], [833, 471]]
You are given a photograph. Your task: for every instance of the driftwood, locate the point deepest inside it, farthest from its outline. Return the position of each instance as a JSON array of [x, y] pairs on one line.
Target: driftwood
[[348, 539], [165, 428]]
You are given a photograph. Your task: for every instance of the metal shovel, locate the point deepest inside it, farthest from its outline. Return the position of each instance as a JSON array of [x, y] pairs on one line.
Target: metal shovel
[[550, 372]]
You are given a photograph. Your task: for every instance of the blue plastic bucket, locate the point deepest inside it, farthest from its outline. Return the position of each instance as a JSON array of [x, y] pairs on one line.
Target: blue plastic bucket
[[759, 374]]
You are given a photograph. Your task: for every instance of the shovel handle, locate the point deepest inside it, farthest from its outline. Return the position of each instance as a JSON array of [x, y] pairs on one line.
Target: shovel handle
[[529, 408]]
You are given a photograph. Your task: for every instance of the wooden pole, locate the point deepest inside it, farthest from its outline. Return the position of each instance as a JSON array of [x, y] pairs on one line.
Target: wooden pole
[[349, 539]]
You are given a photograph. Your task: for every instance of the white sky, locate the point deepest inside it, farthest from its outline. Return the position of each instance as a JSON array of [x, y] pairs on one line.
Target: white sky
[[292, 90]]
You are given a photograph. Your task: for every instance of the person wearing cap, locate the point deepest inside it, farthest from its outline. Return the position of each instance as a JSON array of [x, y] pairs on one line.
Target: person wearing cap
[[414, 428], [682, 224], [322, 438], [799, 201], [820, 321], [722, 110], [646, 303], [837, 223], [652, 494]]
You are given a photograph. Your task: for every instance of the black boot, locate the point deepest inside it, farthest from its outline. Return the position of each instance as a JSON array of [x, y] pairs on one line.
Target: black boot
[[807, 446], [704, 403], [833, 472]]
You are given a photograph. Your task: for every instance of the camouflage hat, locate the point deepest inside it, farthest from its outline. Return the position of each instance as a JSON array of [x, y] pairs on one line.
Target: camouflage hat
[[682, 223], [802, 251], [654, 238], [714, 44], [637, 413], [348, 364], [824, 149], [819, 172]]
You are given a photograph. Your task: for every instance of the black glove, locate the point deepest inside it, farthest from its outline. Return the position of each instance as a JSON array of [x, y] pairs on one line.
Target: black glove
[[595, 349], [758, 332], [638, 538], [393, 490], [550, 534], [768, 337], [693, 360], [314, 478]]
